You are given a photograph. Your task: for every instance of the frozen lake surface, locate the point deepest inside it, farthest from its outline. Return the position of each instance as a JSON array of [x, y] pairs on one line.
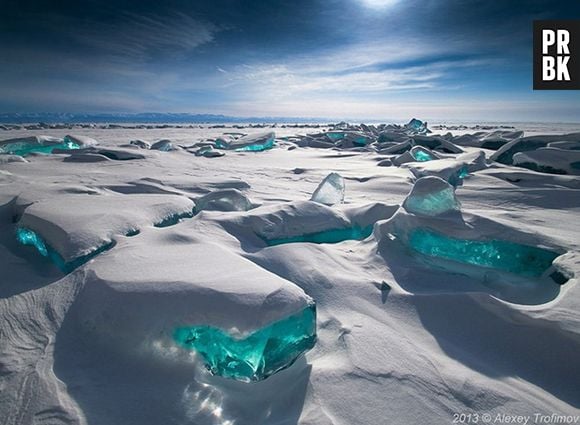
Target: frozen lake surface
[[176, 286]]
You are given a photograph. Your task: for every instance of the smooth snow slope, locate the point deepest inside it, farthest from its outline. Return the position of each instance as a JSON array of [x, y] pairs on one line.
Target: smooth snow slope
[[399, 342]]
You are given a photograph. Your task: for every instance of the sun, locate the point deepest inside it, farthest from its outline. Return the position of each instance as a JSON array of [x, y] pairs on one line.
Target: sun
[[378, 4]]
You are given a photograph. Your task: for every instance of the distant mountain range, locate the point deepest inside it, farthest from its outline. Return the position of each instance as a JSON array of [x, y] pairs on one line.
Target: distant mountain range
[[148, 117]]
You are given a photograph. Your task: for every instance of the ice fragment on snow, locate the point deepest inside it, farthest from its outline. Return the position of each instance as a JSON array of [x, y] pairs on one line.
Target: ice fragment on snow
[[421, 154], [252, 142], [224, 200], [330, 191], [431, 196], [256, 356], [417, 126]]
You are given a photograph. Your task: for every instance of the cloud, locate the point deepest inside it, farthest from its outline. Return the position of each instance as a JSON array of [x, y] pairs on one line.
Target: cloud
[[142, 37], [357, 71]]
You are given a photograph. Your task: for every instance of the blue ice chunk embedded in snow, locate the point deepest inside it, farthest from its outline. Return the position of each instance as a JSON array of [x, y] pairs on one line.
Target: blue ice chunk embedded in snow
[[336, 135], [421, 154], [25, 148], [431, 196], [330, 191], [507, 256], [326, 236], [27, 236], [256, 356]]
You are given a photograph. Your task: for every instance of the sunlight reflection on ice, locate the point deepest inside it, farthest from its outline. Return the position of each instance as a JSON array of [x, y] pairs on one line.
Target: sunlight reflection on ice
[[203, 402]]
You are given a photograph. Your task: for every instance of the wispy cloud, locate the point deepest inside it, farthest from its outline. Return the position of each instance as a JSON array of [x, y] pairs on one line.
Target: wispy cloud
[[359, 69], [141, 37]]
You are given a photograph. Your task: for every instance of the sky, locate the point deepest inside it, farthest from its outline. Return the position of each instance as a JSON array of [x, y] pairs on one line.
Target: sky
[[354, 59]]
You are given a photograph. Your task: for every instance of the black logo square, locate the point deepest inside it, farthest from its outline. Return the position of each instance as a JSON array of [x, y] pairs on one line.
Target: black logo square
[[557, 55]]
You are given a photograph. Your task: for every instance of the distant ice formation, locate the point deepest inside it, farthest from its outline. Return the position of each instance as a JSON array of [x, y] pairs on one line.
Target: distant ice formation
[[252, 142], [36, 144], [550, 160]]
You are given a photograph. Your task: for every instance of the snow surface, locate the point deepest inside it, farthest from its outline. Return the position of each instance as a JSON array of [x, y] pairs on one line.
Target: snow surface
[[400, 340]]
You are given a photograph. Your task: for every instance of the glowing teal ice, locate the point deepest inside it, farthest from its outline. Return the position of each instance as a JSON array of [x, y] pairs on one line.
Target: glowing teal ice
[[336, 135], [257, 355], [463, 172], [257, 147], [29, 237], [417, 125], [421, 156], [24, 149], [244, 145], [327, 236], [502, 255], [456, 178]]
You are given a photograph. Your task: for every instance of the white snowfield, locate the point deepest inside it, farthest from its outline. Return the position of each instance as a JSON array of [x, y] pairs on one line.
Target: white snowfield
[[234, 242]]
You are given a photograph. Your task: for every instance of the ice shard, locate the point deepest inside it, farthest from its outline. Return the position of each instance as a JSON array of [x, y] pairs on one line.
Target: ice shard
[[330, 191], [431, 196], [417, 126], [256, 356], [223, 200], [422, 154], [336, 135], [511, 257]]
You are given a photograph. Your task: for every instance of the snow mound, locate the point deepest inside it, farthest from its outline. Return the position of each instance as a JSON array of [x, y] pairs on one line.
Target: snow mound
[[81, 141], [164, 145], [130, 302], [505, 262], [141, 144], [526, 144], [116, 154], [93, 221]]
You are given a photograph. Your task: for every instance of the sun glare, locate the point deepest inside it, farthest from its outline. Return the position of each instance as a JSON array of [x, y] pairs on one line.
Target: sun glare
[[378, 4]]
